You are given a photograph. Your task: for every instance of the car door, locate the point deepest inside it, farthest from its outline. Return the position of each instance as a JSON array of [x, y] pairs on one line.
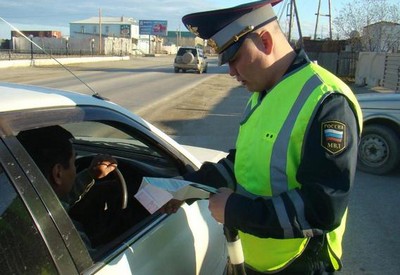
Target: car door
[[30, 242], [188, 242]]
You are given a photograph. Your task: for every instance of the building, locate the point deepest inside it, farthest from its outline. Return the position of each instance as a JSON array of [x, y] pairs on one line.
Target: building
[[106, 35], [48, 34], [115, 34], [180, 38], [120, 27], [382, 37], [185, 38]]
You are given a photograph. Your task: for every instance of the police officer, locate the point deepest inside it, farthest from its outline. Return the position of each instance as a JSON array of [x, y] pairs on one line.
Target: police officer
[[286, 185]]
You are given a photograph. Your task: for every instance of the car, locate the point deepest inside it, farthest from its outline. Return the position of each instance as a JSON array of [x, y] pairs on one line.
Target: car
[[38, 236], [190, 58], [379, 148]]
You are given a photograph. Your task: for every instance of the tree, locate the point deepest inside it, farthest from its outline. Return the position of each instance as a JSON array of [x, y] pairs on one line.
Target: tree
[[376, 22]]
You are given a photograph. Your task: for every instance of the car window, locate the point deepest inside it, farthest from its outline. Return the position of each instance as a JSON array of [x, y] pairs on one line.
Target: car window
[[102, 128], [97, 215], [106, 135], [139, 151], [22, 250], [182, 51]]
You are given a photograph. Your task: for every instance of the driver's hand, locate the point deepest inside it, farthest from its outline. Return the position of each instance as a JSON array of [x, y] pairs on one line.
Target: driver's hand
[[101, 166], [171, 207]]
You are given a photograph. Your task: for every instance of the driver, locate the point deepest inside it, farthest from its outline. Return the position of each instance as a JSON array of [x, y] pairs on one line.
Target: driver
[[51, 149]]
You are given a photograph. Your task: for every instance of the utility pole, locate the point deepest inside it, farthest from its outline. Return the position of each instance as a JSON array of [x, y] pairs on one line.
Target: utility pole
[[293, 13], [31, 39], [100, 31], [327, 15], [290, 20]]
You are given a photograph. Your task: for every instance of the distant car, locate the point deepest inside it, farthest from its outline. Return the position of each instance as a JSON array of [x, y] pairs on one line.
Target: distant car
[[38, 236], [379, 149], [190, 58]]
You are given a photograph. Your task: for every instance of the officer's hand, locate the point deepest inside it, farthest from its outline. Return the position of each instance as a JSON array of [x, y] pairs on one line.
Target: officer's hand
[[101, 166], [217, 204], [171, 207]]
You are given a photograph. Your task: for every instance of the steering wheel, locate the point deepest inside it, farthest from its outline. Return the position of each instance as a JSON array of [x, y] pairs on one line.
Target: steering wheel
[[101, 210], [124, 189]]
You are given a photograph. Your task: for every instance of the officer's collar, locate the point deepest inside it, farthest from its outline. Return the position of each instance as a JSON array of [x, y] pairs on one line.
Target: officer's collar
[[300, 60]]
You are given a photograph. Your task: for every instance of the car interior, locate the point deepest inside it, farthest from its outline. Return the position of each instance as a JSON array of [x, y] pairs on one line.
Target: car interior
[[109, 212]]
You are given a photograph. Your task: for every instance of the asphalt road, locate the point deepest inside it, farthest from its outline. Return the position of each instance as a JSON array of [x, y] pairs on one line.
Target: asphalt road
[[204, 110], [134, 84]]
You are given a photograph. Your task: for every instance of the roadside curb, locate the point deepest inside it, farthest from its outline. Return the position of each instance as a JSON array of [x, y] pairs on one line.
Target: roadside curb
[[49, 61]]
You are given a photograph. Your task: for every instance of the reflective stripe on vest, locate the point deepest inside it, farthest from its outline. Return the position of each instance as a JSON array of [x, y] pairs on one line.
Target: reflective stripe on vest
[[279, 180], [268, 155]]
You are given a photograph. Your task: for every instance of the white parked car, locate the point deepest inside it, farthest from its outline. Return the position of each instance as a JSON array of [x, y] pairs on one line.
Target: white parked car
[[379, 149], [37, 235]]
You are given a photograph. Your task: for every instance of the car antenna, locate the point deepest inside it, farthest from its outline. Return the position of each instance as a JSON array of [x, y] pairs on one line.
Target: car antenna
[[95, 94]]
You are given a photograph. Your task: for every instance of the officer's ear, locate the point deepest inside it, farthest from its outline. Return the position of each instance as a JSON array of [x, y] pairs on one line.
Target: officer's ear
[[267, 41]]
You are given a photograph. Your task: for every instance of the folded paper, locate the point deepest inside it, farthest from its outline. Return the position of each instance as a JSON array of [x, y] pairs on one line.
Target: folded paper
[[155, 192]]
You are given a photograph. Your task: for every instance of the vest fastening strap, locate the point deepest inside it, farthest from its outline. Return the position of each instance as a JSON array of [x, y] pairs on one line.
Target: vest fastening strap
[[283, 218], [299, 207]]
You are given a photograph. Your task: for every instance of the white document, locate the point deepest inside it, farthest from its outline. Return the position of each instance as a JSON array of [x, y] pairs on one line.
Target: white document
[[155, 192]]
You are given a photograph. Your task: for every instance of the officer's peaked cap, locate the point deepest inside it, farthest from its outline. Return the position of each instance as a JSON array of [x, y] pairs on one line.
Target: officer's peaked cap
[[225, 29]]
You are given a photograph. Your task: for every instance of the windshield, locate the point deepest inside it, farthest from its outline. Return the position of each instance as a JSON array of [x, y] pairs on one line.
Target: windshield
[[106, 136]]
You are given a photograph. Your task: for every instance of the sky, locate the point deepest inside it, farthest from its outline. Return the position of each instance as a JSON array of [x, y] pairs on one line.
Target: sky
[[56, 14]]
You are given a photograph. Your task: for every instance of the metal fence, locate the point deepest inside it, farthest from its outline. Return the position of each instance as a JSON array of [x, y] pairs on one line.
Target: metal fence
[[20, 55], [391, 76], [22, 48], [342, 64]]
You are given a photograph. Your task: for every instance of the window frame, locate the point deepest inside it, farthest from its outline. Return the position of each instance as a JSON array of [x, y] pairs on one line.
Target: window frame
[[41, 217], [14, 122]]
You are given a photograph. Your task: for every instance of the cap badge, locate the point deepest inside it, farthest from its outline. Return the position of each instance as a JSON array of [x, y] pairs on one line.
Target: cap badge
[[212, 44], [235, 38], [193, 30]]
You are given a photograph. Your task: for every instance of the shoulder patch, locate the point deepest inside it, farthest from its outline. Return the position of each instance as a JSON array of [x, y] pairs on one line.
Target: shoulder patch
[[333, 136]]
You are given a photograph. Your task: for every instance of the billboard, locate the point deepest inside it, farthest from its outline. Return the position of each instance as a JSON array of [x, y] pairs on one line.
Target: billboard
[[125, 30], [153, 27]]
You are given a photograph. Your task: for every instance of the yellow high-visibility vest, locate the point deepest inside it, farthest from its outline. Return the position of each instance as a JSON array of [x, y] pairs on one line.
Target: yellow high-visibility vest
[[268, 154]]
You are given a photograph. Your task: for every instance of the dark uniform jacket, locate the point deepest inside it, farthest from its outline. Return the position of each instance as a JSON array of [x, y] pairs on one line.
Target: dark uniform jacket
[[326, 180]]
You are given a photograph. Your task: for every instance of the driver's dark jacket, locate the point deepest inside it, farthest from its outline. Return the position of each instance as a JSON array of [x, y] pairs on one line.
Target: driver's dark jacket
[[83, 183], [325, 197]]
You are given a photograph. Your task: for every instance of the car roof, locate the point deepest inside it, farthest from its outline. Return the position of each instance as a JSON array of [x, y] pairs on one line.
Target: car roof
[[379, 100], [21, 97]]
